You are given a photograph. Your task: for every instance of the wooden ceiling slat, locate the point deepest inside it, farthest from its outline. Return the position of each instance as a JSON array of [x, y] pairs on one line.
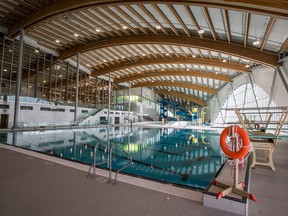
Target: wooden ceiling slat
[[179, 20], [123, 13], [76, 18], [192, 17], [143, 51], [210, 23], [155, 6], [111, 31], [267, 32], [284, 46], [247, 25], [136, 51], [157, 50], [209, 75], [122, 21], [78, 29], [112, 21], [147, 13], [227, 25], [128, 7]]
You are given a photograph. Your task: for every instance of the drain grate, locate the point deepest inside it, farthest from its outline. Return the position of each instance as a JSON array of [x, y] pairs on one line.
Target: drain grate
[[101, 179]]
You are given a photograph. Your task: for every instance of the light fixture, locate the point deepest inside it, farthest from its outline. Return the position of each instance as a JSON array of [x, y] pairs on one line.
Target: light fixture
[[57, 41], [10, 50], [36, 50], [123, 57], [5, 70], [124, 27], [256, 42], [104, 60], [187, 69], [247, 66], [224, 60], [88, 65], [76, 35], [194, 56], [143, 54], [167, 54], [30, 86], [158, 27], [162, 69], [97, 30], [44, 81], [201, 31]]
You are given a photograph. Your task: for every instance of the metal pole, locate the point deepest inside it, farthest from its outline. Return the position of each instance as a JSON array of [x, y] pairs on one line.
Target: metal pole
[[109, 95], [18, 79], [129, 92], [252, 83], [77, 83]]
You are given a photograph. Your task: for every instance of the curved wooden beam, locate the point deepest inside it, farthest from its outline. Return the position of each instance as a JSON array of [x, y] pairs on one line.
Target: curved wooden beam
[[267, 7], [177, 84], [181, 95], [183, 60], [252, 54], [225, 78]]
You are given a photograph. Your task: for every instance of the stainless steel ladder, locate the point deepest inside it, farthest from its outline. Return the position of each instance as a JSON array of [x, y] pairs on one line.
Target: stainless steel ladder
[[110, 162], [110, 159]]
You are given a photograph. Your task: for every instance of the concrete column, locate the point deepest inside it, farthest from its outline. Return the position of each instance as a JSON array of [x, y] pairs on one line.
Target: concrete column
[[109, 97], [77, 84], [18, 79]]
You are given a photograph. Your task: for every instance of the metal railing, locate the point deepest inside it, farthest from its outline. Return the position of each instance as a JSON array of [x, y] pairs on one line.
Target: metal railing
[[110, 164], [111, 157]]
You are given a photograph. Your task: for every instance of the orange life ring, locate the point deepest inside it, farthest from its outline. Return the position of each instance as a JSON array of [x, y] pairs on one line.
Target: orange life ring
[[245, 140]]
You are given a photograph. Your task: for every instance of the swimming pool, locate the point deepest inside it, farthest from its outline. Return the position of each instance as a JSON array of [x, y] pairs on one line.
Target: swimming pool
[[183, 157]]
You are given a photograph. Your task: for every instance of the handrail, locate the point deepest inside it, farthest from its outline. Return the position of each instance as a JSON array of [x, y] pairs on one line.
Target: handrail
[[110, 165], [94, 159]]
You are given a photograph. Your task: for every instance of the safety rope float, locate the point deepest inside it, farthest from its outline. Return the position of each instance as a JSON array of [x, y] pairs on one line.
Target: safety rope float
[[242, 152]]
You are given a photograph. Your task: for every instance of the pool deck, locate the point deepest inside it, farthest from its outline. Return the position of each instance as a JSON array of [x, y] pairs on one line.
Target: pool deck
[[34, 186]]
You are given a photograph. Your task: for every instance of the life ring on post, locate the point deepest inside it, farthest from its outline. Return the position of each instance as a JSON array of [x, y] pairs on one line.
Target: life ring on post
[[245, 141]]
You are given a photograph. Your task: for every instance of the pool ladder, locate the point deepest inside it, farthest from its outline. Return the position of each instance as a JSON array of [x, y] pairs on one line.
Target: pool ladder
[[110, 159]]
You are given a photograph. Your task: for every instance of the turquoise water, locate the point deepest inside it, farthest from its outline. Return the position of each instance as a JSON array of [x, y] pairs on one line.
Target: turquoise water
[[183, 157]]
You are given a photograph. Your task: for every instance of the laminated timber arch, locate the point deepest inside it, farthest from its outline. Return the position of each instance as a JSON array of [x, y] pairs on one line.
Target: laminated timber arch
[[177, 84], [181, 95], [252, 54], [222, 77], [277, 8], [175, 60]]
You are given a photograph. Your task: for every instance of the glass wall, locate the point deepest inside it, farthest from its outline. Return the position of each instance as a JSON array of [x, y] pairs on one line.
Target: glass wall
[[251, 100]]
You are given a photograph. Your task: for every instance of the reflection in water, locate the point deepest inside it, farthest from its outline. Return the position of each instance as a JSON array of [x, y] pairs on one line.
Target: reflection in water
[[184, 157]]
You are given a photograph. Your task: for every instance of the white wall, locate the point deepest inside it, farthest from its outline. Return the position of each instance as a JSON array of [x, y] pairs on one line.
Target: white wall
[[262, 77], [38, 117]]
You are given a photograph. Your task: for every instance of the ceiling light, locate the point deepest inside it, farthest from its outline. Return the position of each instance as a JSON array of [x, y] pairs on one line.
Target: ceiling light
[[44, 81], [36, 50], [224, 60], [76, 35], [97, 30], [162, 69], [201, 31], [105, 60], [167, 54], [158, 27], [216, 72], [57, 41], [124, 27], [187, 69], [143, 54], [123, 57], [10, 50], [88, 65], [247, 66], [256, 42], [30, 86], [194, 56], [5, 70]]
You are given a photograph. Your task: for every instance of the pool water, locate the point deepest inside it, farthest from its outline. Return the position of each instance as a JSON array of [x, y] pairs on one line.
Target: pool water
[[183, 157]]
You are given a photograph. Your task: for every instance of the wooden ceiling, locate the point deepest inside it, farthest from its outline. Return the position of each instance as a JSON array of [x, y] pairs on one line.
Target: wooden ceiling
[[183, 49]]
